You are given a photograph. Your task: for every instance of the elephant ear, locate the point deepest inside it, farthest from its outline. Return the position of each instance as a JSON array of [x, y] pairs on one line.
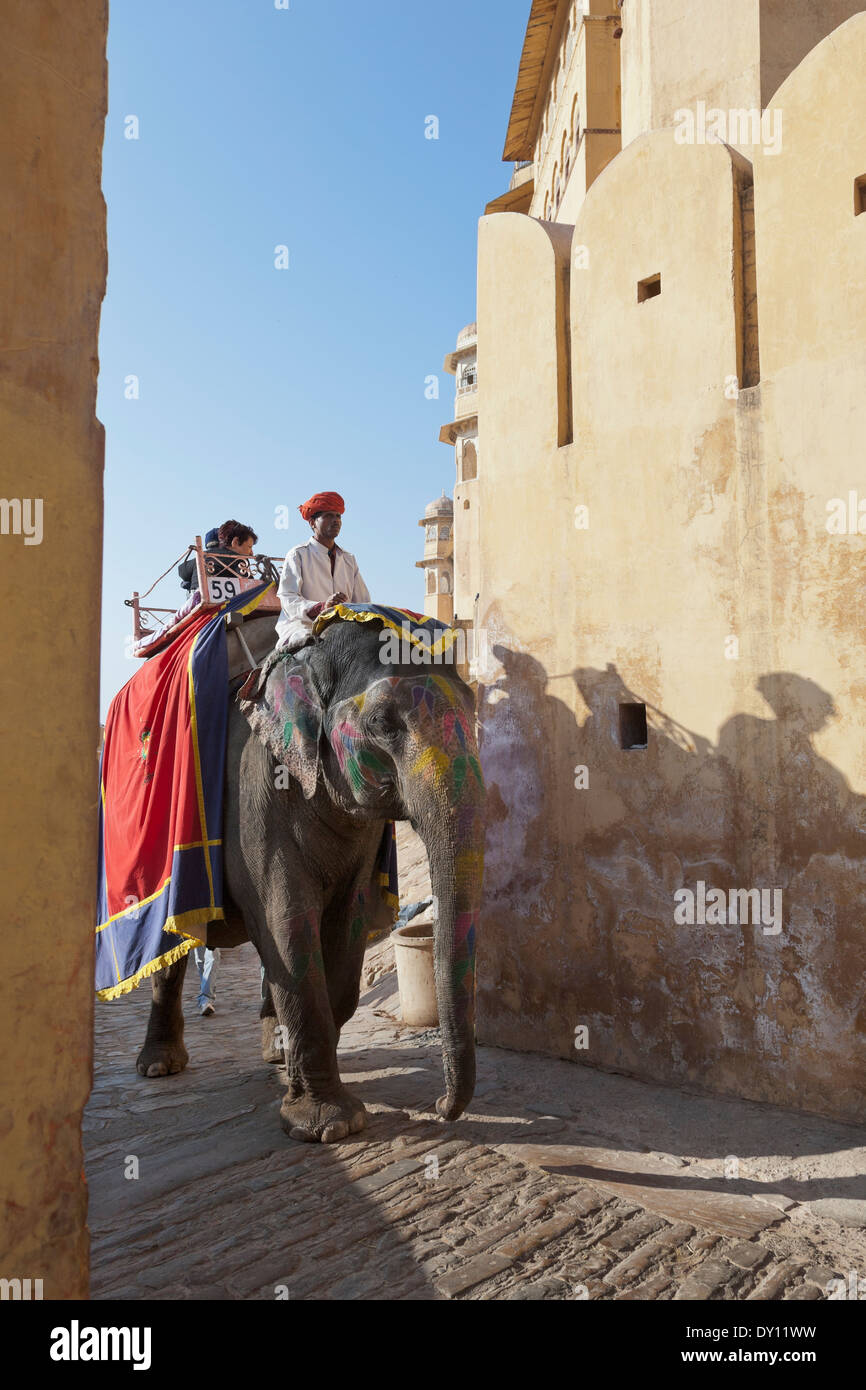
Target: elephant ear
[[285, 712]]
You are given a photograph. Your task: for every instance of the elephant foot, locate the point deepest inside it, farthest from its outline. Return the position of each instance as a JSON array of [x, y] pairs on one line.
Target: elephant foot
[[271, 1051], [161, 1059], [322, 1121], [448, 1109]]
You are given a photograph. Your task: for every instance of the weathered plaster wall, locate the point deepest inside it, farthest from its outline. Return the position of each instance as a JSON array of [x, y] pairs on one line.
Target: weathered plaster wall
[[636, 70], [52, 111], [467, 539], [706, 587], [675, 52], [790, 29], [730, 55]]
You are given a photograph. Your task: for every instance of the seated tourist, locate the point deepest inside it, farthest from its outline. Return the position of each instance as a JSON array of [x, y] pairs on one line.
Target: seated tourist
[[235, 542], [188, 569], [229, 544], [233, 538]]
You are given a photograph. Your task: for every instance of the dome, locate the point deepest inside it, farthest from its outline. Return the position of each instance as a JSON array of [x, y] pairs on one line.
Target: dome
[[443, 506], [470, 331]]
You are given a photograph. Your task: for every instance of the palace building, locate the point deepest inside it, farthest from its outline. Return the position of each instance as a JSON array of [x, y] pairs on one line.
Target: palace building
[[438, 566], [671, 337]]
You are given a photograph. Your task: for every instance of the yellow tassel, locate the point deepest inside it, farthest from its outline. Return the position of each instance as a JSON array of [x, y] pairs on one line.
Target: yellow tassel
[[127, 986]]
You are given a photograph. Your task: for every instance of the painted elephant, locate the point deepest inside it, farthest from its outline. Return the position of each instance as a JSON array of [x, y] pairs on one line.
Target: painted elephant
[[330, 744]]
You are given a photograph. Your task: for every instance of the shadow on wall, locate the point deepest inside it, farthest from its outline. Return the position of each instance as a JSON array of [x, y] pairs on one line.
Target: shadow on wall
[[590, 846]]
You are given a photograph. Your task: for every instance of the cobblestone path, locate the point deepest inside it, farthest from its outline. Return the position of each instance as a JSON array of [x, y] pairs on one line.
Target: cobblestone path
[[508, 1203]]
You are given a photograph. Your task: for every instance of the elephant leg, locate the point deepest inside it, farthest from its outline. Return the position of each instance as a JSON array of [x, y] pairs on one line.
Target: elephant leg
[[317, 1106], [272, 1050], [344, 944], [163, 1052], [347, 990]]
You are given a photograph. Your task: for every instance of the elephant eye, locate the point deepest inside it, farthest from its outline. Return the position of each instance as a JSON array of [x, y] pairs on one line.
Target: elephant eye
[[385, 724]]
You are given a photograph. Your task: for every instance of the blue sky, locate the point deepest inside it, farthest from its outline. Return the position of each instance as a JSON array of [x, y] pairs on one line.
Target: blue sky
[[304, 127]]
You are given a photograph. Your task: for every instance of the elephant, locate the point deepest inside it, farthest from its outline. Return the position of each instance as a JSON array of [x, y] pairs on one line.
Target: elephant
[[331, 743]]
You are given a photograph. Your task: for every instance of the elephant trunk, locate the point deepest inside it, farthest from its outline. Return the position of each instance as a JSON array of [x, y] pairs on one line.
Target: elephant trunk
[[454, 839]]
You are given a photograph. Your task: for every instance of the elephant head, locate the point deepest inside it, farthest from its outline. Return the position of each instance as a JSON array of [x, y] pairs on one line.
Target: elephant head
[[395, 741]]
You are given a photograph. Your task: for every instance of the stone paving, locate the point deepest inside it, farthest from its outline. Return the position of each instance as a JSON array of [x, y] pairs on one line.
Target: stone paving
[[561, 1183]]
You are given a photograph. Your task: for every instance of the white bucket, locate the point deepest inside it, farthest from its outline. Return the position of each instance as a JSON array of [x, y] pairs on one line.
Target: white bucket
[[413, 956]]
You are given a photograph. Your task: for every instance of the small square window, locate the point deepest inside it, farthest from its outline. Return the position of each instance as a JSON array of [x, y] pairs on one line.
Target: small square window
[[860, 195], [648, 289], [632, 726]]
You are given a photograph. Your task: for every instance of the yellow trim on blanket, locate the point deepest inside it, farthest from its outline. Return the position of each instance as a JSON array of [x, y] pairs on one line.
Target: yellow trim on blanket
[[254, 603], [196, 917], [127, 986], [444, 644], [136, 907], [143, 902], [391, 899]]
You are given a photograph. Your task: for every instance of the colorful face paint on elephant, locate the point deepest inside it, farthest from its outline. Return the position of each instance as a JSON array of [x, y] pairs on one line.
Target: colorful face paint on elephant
[[298, 712], [290, 721], [463, 963], [437, 704], [446, 771], [433, 711], [367, 771]]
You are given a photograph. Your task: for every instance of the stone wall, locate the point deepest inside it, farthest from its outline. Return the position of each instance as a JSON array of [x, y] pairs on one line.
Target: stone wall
[[579, 130], [675, 556], [730, 55], [52, 113]]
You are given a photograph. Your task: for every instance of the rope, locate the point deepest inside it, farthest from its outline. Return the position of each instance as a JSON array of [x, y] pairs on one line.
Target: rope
[[270, 576], [173, 565]]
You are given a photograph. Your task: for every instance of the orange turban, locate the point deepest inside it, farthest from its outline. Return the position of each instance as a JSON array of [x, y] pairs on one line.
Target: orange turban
[[322, 502]]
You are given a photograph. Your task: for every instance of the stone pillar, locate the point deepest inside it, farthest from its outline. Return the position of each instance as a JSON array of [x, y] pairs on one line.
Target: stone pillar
[[53, 96]]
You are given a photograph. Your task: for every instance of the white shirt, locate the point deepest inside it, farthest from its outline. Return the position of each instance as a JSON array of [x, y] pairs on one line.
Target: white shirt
[[306, 581]]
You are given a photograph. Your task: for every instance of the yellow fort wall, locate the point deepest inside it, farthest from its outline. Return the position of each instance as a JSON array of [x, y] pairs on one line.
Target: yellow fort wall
[[704, 430], [732, 55], [52, 112]]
